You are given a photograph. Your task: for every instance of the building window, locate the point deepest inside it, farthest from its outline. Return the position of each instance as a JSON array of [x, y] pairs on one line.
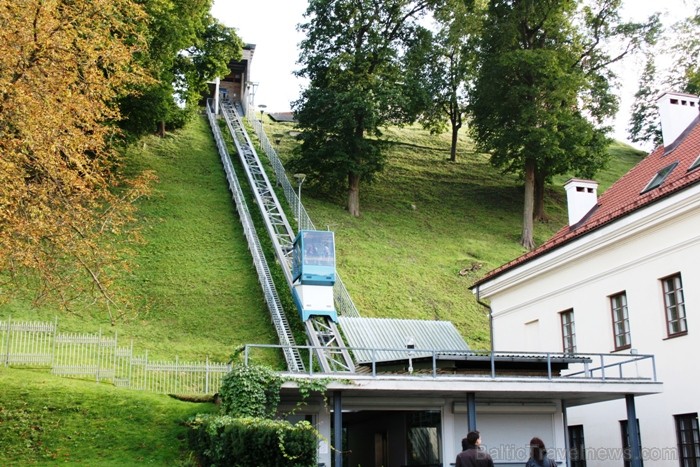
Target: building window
[[577, 445], [688, 437], [674, 305], [568, 333], [621, 321], [626, 448], [424, 439], [695, 164], [660, 176]]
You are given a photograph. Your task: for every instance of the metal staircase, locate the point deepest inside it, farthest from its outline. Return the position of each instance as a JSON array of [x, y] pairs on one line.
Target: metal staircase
[[323, 334]]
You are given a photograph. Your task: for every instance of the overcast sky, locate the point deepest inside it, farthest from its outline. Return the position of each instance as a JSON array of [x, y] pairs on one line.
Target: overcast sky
[[271, 26]]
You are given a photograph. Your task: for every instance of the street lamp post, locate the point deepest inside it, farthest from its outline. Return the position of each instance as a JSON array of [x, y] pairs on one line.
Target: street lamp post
[[262, 108], [300, 179]]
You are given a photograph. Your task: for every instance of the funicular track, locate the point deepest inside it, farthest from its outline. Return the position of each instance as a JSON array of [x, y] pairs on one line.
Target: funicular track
[[323, 334], [279, 320]]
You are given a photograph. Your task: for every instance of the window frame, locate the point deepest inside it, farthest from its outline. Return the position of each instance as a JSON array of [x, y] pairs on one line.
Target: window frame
[[577, 446], [568, 331], [683, 432], [626, 448], [695, 165], [616, 320], [660, 177], [680, 316]]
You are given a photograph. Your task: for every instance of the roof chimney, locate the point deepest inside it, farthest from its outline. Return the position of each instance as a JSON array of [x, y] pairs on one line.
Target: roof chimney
[[677, 111], [581, 197]]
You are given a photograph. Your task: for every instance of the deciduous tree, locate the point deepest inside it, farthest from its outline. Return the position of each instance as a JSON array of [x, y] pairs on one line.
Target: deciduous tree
[[440, 68], [351, 57], [63, 207], [645, 124], [186, 48], [543, 88], [681, 42]]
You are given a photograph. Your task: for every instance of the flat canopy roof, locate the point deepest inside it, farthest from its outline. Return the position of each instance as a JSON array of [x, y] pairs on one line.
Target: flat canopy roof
[[381, 389]]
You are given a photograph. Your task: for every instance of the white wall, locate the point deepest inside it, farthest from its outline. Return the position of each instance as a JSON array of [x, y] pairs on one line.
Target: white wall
[[505, 432], [526, 317]]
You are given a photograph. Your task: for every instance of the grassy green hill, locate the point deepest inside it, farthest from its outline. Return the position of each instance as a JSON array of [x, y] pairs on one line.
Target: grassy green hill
[[197, 295], [427, 218], [47, 420]]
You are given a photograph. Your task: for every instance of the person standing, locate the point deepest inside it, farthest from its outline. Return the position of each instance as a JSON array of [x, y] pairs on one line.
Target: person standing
[[472, 455], [538, 455]]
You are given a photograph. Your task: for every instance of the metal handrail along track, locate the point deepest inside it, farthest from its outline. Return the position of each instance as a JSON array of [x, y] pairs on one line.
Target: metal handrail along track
[[343, 303], [274, 305], [321, 331], [276, 222]]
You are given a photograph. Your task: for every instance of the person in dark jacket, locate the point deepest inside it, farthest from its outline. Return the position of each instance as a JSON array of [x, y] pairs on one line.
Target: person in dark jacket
[[472, 455], [538, 455]]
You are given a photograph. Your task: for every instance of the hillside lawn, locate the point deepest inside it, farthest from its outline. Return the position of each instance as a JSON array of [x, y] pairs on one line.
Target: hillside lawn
[[196, 294]]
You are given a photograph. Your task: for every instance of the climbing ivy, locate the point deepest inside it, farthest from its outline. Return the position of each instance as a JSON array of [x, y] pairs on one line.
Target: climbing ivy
[[244, 431], [250, 391], [254, 391]]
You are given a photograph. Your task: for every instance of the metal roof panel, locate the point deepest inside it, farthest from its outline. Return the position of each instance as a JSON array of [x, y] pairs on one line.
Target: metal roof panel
[[384, 339]]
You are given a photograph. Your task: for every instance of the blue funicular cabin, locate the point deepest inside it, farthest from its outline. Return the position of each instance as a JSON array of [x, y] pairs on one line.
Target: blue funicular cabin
[[313, 273]]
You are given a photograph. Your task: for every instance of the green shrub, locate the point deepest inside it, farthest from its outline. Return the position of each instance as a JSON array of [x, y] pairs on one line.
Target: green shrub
[[250, 391], [220, 440]]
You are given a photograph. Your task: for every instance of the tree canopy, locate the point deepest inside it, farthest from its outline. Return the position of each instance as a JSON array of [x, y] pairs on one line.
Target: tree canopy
[[67, 209], [62, 65], [351, 57], [440, 67], [186, 47], [681, 42], [543, 88]]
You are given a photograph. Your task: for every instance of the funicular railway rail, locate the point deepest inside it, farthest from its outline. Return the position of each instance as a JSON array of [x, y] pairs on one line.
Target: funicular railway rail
[[323, 333], [343, 303], [284, 333]]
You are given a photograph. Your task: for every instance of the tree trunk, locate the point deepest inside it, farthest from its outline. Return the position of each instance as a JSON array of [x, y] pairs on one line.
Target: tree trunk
[[161, 129], [453, 148], [539, 215], [354, 194], [456, 121], [528, 206]]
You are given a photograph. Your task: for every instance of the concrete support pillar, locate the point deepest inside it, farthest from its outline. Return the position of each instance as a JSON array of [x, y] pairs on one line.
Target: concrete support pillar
[[567, 448], [338, 428], [633, 433], [471, 411]]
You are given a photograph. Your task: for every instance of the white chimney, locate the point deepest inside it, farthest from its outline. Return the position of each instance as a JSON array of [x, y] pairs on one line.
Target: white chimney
[[581, 197], [677, 111]]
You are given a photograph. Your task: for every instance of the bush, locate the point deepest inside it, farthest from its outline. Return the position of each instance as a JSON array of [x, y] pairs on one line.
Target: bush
[[252, 442], [250, 391]]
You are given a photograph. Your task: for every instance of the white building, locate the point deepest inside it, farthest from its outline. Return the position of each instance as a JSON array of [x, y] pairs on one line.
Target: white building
[[621, 277]]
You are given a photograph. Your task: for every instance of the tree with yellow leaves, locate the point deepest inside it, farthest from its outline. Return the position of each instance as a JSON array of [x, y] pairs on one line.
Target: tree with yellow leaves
[[65, 214]]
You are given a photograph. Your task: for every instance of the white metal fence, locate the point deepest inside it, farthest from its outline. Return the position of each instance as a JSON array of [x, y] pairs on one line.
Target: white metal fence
[[99, 357]]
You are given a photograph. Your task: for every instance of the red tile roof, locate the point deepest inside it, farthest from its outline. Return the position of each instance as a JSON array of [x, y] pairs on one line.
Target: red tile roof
[[625, 196]]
